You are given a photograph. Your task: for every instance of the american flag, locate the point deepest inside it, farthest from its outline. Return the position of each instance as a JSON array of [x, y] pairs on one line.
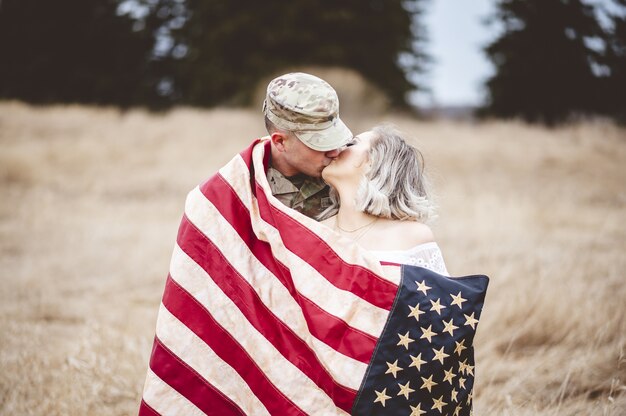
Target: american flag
[[424, 360], [267, 312]]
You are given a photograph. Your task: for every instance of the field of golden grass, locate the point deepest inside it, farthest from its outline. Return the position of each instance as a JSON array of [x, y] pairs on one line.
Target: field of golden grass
[[90, 201]]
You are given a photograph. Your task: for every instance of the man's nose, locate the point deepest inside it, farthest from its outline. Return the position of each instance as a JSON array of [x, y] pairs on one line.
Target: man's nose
[[333, 153]]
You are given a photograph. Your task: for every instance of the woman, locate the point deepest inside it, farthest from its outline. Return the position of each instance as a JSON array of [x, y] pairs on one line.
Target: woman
[[379, 184]]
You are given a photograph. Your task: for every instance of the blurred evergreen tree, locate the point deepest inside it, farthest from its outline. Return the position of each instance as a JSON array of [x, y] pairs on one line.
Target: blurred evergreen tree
[[543, 60], [612, 98], [72, 51], [221, 48]]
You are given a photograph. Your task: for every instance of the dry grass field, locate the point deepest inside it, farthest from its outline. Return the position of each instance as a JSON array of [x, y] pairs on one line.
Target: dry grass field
[[90, 201]]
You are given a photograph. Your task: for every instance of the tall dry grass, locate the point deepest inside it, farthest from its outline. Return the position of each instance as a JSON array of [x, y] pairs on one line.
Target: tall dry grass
[[90, 201]]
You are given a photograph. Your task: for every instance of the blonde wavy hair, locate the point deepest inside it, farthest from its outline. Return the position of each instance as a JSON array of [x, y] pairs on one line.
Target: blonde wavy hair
[[395, 185]]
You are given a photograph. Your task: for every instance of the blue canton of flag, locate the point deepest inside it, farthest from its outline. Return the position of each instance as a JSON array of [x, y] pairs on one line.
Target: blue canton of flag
[[424, 360]]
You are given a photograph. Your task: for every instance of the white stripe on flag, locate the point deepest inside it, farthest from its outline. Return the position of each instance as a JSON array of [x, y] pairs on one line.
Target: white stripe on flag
[[345, 370], [165, 400], [183, 342], [286, 377], [393, 272]]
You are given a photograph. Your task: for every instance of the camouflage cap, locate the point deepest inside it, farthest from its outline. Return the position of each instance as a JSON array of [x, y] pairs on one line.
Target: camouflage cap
[[309, 107]]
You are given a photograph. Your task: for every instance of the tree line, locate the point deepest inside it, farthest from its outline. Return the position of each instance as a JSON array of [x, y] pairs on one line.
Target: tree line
[[553, 59]]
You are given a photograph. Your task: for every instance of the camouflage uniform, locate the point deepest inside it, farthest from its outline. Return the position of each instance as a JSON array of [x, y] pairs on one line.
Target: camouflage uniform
[[300, 192]]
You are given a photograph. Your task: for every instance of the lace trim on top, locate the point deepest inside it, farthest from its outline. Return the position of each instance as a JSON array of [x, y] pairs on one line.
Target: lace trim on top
[[427, 255]]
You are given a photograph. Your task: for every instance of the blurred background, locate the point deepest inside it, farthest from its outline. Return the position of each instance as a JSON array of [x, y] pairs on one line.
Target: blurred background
[[112, 110], [543, 61]]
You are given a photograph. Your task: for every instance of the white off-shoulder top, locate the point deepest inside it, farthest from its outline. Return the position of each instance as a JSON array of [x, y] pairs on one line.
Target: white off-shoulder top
[[427, 255]]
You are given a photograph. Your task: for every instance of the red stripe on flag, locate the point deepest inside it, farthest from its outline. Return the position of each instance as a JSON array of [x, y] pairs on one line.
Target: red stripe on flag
[[292, 347], [145, 410], [195, 317], [324, 326], [189, 383]]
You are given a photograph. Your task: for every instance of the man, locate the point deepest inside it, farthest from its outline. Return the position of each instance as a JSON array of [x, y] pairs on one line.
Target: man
[[302, 119]]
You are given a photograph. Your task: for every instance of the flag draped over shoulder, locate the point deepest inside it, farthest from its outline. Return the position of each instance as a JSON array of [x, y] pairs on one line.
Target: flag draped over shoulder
[[267, 312]]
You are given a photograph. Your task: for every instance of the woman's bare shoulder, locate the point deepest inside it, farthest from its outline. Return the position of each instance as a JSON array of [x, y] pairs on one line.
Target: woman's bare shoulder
[[403, 235], [416, 233]]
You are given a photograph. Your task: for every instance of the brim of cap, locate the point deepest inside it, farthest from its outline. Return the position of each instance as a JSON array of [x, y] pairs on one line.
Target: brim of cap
[[332, 138]]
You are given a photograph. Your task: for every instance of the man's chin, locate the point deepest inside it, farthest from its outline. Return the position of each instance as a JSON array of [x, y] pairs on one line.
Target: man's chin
[[317, 173]]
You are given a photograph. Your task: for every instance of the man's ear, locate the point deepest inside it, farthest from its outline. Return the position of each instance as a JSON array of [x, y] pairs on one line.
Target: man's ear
[[278, 140]]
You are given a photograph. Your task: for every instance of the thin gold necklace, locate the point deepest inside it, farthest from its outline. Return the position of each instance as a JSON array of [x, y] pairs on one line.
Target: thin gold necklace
[[365, 228], [356, 229]]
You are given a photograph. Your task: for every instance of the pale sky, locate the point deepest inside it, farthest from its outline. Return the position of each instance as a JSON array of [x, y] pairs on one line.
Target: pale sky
[[456, 36]]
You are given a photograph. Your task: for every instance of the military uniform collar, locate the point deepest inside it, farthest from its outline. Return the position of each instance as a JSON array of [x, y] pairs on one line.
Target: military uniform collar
[[311, 186], [282, 185], [279, 183]]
